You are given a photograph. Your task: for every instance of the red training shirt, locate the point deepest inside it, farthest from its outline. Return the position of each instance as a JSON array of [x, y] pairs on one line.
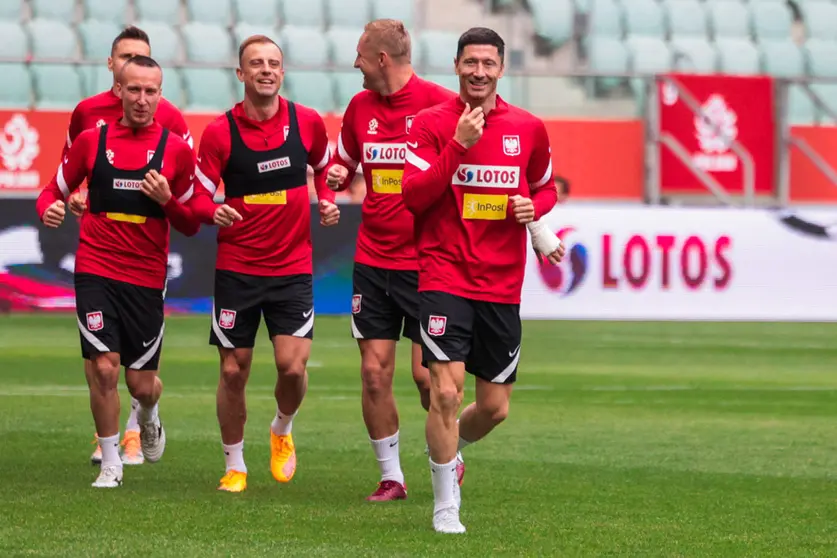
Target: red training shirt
[[106, 108], [469, 243], [133, 252], [271, 240], [373, 133]]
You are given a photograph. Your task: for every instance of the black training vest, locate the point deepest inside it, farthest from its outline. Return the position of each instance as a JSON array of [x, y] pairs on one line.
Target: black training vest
[[259, 172], [113, 190]]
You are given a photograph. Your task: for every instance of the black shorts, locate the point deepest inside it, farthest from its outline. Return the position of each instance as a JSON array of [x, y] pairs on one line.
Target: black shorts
[[287, 304], [385, 303], [114, 316], [483, 335]]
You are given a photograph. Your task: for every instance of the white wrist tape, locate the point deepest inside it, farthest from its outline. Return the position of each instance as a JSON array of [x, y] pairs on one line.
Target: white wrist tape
[[543, 239]]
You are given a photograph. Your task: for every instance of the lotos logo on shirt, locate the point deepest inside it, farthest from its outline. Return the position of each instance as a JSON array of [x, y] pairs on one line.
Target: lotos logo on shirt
[[393, 153], [386, 181], [486, 207], [274, 164], [484, 176], [123, 184]]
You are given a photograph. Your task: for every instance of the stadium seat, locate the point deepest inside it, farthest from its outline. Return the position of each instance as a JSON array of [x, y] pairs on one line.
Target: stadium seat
[[782, 58], [343, 45], [827, 94], [771, 19], [97, 38], [11, 10], [820, 19], [256, 12], [166, 45], [304, 46], [346, 86], [309, 13], [438, 49], [608, 55], [52, 39], [737, 56], [644, 18], [821, 56], [13, 41], [61, 10], [694, 54], [207, 43], [686, 18], [15, 87], [448, 80], [57, 86], [649, 55], [218, 12], [347, 13], [729, 19], [553, 19], [801, 109], [394, 9], [173, 87], [242, 30], [606, 19], [165, 11], [95, 78], [115, 11], [312, 89], [208, 89]]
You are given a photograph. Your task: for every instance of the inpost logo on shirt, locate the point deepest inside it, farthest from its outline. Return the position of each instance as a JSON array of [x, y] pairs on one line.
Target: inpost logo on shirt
[[393, 153], [123, 184], [486, 176], [489, 207], [270, 198], [386, 181], [274, 164]]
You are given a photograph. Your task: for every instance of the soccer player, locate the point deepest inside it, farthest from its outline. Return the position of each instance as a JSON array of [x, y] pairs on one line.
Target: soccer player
[[96, 111], [477, 171], [385, 279], [261, 149], [139, 176]]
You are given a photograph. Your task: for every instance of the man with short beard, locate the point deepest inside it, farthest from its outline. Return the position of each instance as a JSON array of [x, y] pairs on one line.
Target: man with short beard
[[261, 149]]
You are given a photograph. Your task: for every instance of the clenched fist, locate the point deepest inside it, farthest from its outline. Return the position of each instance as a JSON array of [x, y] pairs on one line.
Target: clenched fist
[[156, 187], [470, 125], [78, 203], [329, 213], [335, 176], [225, 216], [54, 215]]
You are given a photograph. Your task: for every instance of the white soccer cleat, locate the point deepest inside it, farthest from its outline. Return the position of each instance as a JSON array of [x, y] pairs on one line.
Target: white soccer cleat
[[109, 477], [447, 521], [153, 440]]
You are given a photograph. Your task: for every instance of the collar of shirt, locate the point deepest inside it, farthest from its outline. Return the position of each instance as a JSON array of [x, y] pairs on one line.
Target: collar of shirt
[[269, 126], [403, 96], [120, 130], [500, 107]]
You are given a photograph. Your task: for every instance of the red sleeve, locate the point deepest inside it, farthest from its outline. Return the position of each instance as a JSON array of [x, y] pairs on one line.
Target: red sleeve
[[212, 159], [348, 151], [427, 169], [318, 157], [71, 172], [73, 131], [544, 194], [182, 190]]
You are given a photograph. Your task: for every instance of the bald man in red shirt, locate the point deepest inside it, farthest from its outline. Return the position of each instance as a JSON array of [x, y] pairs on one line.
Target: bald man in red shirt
[[261, 149]]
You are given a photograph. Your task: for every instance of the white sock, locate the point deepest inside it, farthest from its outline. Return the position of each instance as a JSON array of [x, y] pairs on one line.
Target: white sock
[[386, 450], [147, 416], [110, 451], [234, 456], [282, 424], [444, 484], [132, 425]]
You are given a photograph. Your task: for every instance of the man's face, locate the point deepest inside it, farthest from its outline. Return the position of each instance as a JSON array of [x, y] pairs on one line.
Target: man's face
[[368, 61], [261, 71], [124, 51], [479, 67], [140, 89]]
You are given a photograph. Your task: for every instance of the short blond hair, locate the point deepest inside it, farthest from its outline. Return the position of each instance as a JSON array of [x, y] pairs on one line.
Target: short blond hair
[[390, 36], [257, 40]]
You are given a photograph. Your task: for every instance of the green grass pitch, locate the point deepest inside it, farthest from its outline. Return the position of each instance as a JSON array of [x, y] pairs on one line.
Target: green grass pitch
[[624, 439]]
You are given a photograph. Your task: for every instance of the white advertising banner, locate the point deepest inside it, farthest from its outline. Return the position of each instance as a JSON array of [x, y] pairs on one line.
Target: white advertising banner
[[687, 264]]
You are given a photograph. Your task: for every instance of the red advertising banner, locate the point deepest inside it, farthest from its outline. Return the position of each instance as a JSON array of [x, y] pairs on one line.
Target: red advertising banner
[[739, 109]]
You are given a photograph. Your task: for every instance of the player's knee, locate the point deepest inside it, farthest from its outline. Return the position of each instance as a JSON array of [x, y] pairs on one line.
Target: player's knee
[[376, 376], [495, 411], [141, 388], [106, 372], [292, 370], [233, 375], [446, 397]]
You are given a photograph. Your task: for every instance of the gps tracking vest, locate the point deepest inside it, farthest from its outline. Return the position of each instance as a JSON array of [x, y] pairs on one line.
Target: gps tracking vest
[[117, 191], [251, 172]]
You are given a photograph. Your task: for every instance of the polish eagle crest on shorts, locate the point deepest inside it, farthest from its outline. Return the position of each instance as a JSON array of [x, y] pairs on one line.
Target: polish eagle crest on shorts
[[436, 325], [226, 318], [511, 145], [356, 300], [95, 321]]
